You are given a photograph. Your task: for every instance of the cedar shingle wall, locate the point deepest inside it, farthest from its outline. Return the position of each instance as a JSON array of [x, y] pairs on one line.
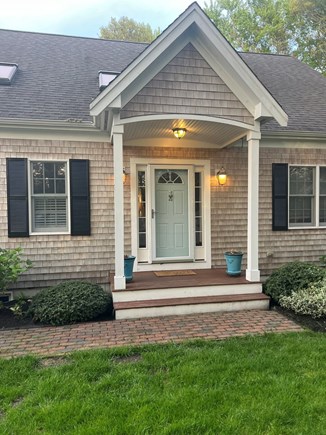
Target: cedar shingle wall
[[305, 245], [65, 257], [187, 85], [228, 203], [62, 257]]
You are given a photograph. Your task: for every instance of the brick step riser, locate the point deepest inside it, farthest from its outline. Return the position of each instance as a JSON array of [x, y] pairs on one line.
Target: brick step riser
[[137, 313], [218, 290]]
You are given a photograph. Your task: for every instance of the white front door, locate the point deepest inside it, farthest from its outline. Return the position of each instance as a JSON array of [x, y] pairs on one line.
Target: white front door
[[171, 214]]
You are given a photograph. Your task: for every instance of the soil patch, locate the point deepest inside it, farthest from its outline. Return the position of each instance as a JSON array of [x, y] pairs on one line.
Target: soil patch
[[317, 325], [9, 320]]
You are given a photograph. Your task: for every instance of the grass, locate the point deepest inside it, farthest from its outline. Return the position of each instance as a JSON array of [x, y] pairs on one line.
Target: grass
[[272, 384]]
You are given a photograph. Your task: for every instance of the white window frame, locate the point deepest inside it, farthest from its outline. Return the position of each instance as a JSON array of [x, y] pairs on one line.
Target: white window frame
[[316, 224], [30, 196]]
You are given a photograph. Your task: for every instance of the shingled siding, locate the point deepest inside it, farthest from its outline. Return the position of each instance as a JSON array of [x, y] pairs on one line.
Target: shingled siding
[[279, 247], [187, 85], [59, 257], [228, 203]]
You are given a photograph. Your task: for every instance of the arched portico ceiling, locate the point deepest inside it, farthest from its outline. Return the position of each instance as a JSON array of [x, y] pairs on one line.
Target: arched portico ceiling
[[201, 131]]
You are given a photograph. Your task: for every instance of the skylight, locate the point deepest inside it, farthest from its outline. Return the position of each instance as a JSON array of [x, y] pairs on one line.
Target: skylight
[[105, 78], [7, 72]]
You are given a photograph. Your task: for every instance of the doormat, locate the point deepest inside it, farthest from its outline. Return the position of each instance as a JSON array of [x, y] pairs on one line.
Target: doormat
[[175, 273]]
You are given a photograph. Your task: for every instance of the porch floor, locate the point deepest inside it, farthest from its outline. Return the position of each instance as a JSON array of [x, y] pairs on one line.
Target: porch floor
[[201, 278]]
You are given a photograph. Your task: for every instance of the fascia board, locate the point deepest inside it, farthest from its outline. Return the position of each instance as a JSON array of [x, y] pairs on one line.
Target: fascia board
[[235, 73], [145, 59], [50, 130], [140, 79], [311, 135], [212, 45], [48, 124]]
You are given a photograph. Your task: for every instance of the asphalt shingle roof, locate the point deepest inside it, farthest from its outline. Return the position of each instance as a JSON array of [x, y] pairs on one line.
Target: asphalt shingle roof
[[57, 78]]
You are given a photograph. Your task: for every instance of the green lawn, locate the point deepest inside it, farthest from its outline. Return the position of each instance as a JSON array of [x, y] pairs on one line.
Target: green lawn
[[272, 384]]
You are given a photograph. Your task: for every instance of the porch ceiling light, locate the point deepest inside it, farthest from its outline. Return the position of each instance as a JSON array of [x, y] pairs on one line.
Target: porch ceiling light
[[221, 176], [179, 132]]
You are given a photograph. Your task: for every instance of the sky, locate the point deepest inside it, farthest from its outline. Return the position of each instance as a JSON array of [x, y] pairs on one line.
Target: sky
[[85, 17]]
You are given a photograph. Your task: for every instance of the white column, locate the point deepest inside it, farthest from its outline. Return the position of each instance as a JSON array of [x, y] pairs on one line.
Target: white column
[[252, 272], [119, 278]]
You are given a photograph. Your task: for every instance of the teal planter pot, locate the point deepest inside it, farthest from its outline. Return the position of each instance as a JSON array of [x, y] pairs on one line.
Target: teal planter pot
[[233, 262], [129, 265]]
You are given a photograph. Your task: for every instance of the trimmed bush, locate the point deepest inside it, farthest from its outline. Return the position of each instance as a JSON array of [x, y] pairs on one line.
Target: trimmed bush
[[310, 301], [291, 278], [70, 302]]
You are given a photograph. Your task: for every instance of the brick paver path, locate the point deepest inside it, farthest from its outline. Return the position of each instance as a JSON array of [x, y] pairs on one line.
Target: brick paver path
[[214, 326]]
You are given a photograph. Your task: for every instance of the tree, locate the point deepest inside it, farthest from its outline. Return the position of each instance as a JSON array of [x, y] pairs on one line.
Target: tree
[[311, 15], [295, 27], [127, 29]]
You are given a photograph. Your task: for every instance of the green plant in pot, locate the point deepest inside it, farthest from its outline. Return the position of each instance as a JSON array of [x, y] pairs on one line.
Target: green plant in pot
[[233, 260], [128, 267]]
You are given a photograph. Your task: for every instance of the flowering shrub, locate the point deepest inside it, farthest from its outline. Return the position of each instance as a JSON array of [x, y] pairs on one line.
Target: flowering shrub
[[291, 278], [310, 301]]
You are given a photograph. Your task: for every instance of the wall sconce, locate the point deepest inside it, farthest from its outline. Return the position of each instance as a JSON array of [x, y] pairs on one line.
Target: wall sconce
[[221, 176], [179, 133], [124, 175]]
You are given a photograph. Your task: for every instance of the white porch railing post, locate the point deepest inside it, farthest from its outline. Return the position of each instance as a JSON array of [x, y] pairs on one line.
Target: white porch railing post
[[119, 278], [252, 272]]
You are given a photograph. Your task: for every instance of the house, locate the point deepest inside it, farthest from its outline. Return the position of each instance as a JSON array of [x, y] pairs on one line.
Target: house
[[91, 170]]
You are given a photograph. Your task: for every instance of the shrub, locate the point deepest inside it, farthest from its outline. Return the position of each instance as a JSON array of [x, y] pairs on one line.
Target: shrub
[[310, 301], [291, 278], [70, 302], [11, 266]]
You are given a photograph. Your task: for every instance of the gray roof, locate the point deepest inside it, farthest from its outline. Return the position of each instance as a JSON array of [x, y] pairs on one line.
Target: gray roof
[[57, 78], [300, 90]]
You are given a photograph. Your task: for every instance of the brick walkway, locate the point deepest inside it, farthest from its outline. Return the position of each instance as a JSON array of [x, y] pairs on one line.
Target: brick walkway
[[214, 326]]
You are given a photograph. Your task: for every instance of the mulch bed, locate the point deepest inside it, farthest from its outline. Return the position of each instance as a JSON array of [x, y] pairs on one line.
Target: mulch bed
[[8, 320], [317, 325]]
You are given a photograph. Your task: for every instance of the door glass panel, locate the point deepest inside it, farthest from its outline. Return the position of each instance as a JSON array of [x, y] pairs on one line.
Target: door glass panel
[[198, 209], [141, 202]]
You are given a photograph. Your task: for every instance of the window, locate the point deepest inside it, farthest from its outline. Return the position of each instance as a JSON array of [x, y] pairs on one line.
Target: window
[[198, 209], [322, 196], [105, 78], [49, 196], [7, 72], [170, 177], [307, 196], [301, 195], [41, 203], [141, 209]]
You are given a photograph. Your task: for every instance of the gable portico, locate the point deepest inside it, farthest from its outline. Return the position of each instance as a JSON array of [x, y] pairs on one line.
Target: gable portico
[[190, 77]]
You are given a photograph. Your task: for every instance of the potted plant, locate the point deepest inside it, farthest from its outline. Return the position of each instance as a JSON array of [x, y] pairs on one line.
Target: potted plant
[[129, 265], [233, 262]]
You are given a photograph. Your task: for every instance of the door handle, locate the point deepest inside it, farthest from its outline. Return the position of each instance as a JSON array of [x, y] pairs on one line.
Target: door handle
[[153, 213]]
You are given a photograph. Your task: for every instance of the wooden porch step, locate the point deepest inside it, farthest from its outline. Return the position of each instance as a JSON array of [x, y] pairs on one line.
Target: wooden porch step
[[190, 305]]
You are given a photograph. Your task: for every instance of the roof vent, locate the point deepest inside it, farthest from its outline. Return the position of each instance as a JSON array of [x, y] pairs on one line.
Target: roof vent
[[7, 72], [105, 78]]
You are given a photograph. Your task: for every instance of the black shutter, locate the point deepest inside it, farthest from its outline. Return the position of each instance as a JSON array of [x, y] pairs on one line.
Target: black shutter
[[17, 197], [79, 198], [280, 196]]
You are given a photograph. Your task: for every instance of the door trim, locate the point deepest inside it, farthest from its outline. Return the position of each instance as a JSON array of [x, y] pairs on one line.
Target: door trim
[[144, 261]]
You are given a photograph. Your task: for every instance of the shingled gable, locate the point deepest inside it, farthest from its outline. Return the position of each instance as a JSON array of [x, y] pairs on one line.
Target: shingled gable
[[194, 27]]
